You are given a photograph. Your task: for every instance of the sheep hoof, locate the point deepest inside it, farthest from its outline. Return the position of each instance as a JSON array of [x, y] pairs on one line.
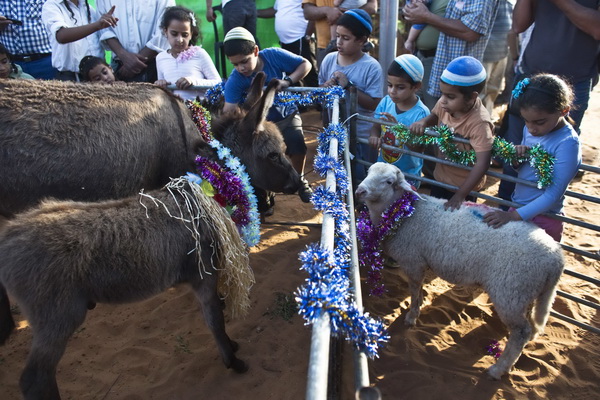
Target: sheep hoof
[[494, 372]]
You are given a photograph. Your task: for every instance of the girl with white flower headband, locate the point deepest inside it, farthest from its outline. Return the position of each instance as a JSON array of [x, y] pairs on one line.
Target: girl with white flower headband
[[184, 64]]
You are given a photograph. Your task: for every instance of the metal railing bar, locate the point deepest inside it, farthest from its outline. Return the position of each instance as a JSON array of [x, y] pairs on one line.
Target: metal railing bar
[[582, 276], [575, 322], [430, 132], [578, 300], [495, 174]]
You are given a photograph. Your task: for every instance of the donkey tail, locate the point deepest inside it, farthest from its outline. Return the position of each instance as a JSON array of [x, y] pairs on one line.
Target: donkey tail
[[544, 301], [7, 323]]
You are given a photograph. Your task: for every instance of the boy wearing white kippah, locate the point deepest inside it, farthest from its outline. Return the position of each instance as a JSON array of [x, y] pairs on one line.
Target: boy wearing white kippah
[[242, 51], [461, 109], [400, 106]]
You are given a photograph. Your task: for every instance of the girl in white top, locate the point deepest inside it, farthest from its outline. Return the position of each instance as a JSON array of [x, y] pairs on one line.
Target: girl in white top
[[74, 33], [184, 64]]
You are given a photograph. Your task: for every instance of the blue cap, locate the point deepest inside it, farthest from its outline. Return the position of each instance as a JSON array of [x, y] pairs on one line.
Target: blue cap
[[363, 17], [464, 71], [412, 65]]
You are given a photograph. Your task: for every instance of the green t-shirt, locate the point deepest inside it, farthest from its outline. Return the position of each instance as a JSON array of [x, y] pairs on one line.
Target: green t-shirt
[[428, 38]]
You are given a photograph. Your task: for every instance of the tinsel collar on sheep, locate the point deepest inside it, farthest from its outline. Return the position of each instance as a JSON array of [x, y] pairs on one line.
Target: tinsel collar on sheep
[[371, 237]]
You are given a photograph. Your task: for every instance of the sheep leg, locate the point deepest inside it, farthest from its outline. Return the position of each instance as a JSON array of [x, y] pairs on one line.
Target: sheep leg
[[50, 337], [206, 293], [520, 332], [415, 286]]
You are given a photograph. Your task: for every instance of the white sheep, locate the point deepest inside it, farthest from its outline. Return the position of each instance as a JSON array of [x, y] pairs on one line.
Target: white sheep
[[518, 265]]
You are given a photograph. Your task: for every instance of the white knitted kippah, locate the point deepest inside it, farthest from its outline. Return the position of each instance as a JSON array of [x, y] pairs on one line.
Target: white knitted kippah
[[412, 65], [464, 71], [239, 33]]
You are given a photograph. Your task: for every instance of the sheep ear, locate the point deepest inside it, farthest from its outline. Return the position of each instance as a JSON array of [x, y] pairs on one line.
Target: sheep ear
[[407, 187]]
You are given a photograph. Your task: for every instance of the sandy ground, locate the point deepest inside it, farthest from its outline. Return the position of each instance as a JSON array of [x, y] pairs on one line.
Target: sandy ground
[[160, 348]]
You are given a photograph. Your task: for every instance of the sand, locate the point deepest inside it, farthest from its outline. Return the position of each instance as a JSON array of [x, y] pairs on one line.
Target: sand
[[160, 348]]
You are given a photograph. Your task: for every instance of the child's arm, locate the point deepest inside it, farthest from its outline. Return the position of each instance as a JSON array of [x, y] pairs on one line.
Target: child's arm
[[375, 136], [300, 72], [69, 35], [565, 168], [411, 40], [418, 128], [479, 169]]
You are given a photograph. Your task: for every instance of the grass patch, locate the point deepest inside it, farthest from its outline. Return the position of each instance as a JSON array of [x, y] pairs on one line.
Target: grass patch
[[285, 306], [183, 346]]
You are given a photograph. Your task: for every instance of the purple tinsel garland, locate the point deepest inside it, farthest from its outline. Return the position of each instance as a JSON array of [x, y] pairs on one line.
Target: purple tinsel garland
[[371, 237], [229, 189]]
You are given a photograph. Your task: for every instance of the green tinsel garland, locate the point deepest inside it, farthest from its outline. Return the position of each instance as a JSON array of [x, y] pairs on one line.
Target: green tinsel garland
[[540, 160]]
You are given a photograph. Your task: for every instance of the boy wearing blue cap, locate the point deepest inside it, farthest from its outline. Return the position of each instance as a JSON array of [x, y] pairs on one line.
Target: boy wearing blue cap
[[241, 50], [348, 67], [460, 108], [400, 106]]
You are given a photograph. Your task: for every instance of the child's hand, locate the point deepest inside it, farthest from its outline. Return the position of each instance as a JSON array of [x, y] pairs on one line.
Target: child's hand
[[454, 203], [410, 46], [521, 150], [183, 83], [417, 128], [496, 219], [162, 83], [375, 141], [107, 20], [388, 117]]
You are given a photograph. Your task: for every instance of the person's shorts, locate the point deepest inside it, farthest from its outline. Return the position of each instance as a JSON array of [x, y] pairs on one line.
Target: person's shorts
[[293, 136]]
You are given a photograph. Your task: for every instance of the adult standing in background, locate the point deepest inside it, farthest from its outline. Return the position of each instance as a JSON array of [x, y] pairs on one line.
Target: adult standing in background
[[495, 56], [426, 46], [464, 31], [293, 31], [324, 13], [235, 13], [566, 42], [28, 43], [139, 38]]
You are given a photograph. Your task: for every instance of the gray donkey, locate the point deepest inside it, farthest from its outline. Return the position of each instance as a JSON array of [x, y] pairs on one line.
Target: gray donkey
[[59, 259], [96, 142]]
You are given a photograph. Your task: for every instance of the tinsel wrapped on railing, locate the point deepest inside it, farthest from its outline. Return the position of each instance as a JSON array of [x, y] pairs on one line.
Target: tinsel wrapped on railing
[[541, 161], [327, 289]]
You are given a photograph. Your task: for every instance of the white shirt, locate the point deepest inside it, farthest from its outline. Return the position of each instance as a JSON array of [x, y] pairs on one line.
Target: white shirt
[[139, 23], [66, 57], [194, 64], [290, 24]]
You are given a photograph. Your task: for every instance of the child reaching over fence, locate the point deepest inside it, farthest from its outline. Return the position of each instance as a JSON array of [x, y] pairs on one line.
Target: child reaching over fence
[[403, 106], [460, 108], [544, 101], [184, 64], [288, 68]]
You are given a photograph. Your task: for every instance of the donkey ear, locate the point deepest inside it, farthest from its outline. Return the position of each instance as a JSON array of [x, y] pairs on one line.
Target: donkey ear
[[256, 91], [258, 114]]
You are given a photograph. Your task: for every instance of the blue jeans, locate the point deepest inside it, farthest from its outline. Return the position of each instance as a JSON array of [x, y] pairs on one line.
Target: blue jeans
[[39, 69], [514, 134]]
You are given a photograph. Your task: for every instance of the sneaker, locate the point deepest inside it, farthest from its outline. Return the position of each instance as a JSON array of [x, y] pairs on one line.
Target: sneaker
[[305, 192]]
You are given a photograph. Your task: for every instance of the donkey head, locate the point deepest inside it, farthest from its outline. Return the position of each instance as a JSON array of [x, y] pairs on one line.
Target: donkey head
[[257, 142]]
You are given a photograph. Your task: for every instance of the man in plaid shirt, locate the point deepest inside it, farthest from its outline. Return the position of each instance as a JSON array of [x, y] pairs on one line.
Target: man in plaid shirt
[[464, 31], [26, 38]]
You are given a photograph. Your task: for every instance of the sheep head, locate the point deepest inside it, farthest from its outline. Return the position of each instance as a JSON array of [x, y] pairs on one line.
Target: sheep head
[[384, 184]]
